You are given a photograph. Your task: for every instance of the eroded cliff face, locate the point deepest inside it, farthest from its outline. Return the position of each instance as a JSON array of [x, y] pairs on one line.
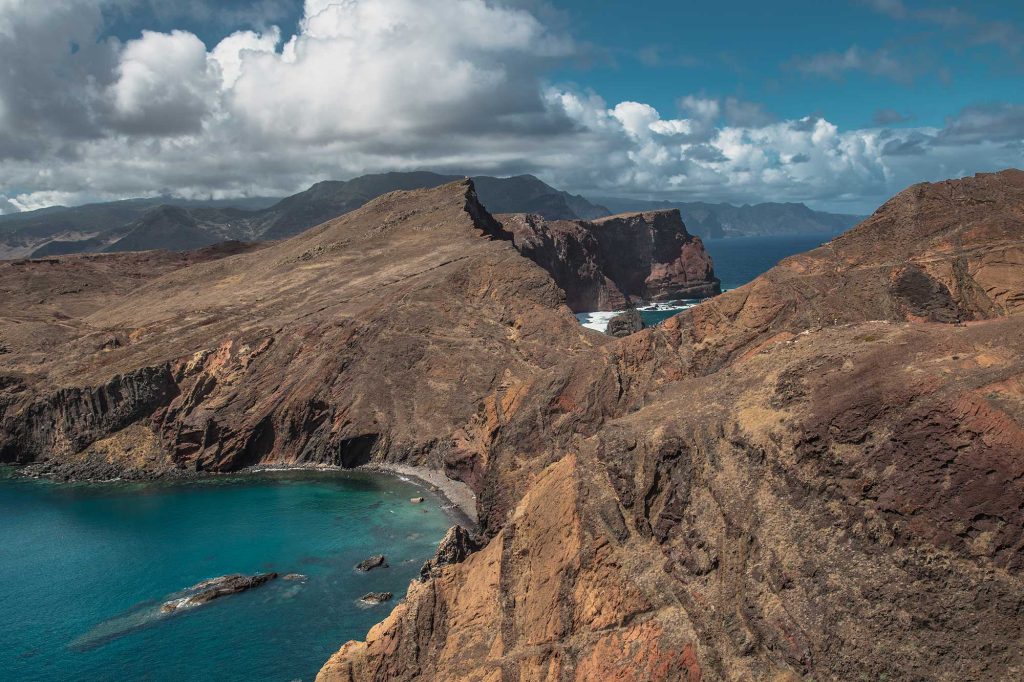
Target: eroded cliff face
[[816, 476], [606, 263], [376, 336]]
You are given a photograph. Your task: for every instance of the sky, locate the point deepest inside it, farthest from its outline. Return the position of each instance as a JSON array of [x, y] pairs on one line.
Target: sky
[[839, 105]]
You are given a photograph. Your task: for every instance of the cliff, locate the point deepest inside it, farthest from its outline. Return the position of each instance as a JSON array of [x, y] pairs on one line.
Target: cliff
[[816, 475], [608, 262], [375, 336], [811, 476]]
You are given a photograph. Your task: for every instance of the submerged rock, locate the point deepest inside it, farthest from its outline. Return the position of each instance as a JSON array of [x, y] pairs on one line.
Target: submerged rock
[[208, 590], [293, 576], [376, 561], [624, 324], [376, 597]]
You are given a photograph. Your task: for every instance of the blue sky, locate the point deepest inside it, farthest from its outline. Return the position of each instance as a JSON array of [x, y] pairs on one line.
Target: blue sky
[[754, 51], [836, 104]]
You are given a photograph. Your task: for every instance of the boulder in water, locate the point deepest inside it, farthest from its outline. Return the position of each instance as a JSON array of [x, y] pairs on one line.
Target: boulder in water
[[376, 561], [208, 590], [624, 324], [376, 597]]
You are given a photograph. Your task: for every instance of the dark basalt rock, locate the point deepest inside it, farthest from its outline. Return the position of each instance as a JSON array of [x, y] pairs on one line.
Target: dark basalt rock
[[456, 545], [376, 561], [208, 590], [624, 324], [376, 597], [605, 263]]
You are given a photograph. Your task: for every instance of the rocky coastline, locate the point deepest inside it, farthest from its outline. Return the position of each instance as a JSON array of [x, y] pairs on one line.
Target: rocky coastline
[[816, 475]]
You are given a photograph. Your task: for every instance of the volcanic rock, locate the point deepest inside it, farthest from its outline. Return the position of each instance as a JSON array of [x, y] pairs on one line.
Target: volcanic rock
[[605, 263], [208, 590], [624, 324], [817, 475], [376, 561], [456, 545], [376, 597], [299, 352]]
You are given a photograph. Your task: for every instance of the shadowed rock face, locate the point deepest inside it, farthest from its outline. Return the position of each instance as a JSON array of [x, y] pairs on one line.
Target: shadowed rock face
[[375, 336], [606, 263], [816, 475], [624, 324]]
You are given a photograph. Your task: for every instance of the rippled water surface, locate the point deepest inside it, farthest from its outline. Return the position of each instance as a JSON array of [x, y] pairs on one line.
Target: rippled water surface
[[86, 567]]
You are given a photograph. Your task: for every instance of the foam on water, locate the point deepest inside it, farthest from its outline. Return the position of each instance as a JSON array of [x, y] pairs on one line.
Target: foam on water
[[652, 314]]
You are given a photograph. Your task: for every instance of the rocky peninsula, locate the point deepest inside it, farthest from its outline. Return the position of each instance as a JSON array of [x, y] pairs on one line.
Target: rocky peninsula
[[815, 475]]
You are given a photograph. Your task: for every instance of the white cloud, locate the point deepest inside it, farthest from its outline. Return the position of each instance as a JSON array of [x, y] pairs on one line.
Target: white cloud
[[452, 85], [232, 52], [164, 84]]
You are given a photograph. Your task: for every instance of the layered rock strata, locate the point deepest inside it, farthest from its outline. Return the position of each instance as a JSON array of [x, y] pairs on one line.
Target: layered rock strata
[[817, 475], [606, 263]]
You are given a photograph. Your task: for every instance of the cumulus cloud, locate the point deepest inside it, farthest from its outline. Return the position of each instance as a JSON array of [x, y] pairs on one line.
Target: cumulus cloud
[[1001, 122], [451, 85], [164, 84]]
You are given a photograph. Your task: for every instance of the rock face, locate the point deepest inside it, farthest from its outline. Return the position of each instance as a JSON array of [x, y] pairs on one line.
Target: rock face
[[376, 561], [456, 545], [208, 590], [302, 351], [624, 324], [605, 263], [817, 475]]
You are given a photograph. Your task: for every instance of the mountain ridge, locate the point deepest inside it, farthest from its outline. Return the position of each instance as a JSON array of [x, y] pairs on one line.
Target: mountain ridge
[[133, 225], [817, 474], [723, 220]]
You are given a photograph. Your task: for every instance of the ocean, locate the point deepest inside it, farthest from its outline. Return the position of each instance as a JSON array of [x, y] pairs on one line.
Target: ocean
[[737, 261], [86, 567]]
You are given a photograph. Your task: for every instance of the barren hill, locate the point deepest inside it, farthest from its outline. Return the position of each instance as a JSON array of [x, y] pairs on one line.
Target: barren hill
[[817, 475]]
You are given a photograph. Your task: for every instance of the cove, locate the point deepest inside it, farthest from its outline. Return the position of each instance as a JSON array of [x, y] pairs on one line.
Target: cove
[[87, 565]]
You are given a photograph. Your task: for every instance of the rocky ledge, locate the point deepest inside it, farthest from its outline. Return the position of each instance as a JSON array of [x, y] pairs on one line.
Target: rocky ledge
[[817, 475], [606, 263], [215, 588]]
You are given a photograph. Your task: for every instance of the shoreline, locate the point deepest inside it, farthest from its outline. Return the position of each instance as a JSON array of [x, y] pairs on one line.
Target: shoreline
[[457, 500]]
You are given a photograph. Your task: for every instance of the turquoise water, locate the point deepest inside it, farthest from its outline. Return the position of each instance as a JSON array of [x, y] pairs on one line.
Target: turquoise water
[[86, 566]]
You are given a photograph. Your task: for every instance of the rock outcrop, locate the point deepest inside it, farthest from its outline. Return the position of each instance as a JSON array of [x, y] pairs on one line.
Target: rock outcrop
[[624, 324], [807, 477], [376, 561], [215, 588], [374, 598], [817, 475], [608, 262], [456, 545]]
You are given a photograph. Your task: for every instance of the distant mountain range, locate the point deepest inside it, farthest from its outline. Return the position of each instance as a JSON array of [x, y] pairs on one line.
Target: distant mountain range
[[716, 221], [177, 225], [162, 223]]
